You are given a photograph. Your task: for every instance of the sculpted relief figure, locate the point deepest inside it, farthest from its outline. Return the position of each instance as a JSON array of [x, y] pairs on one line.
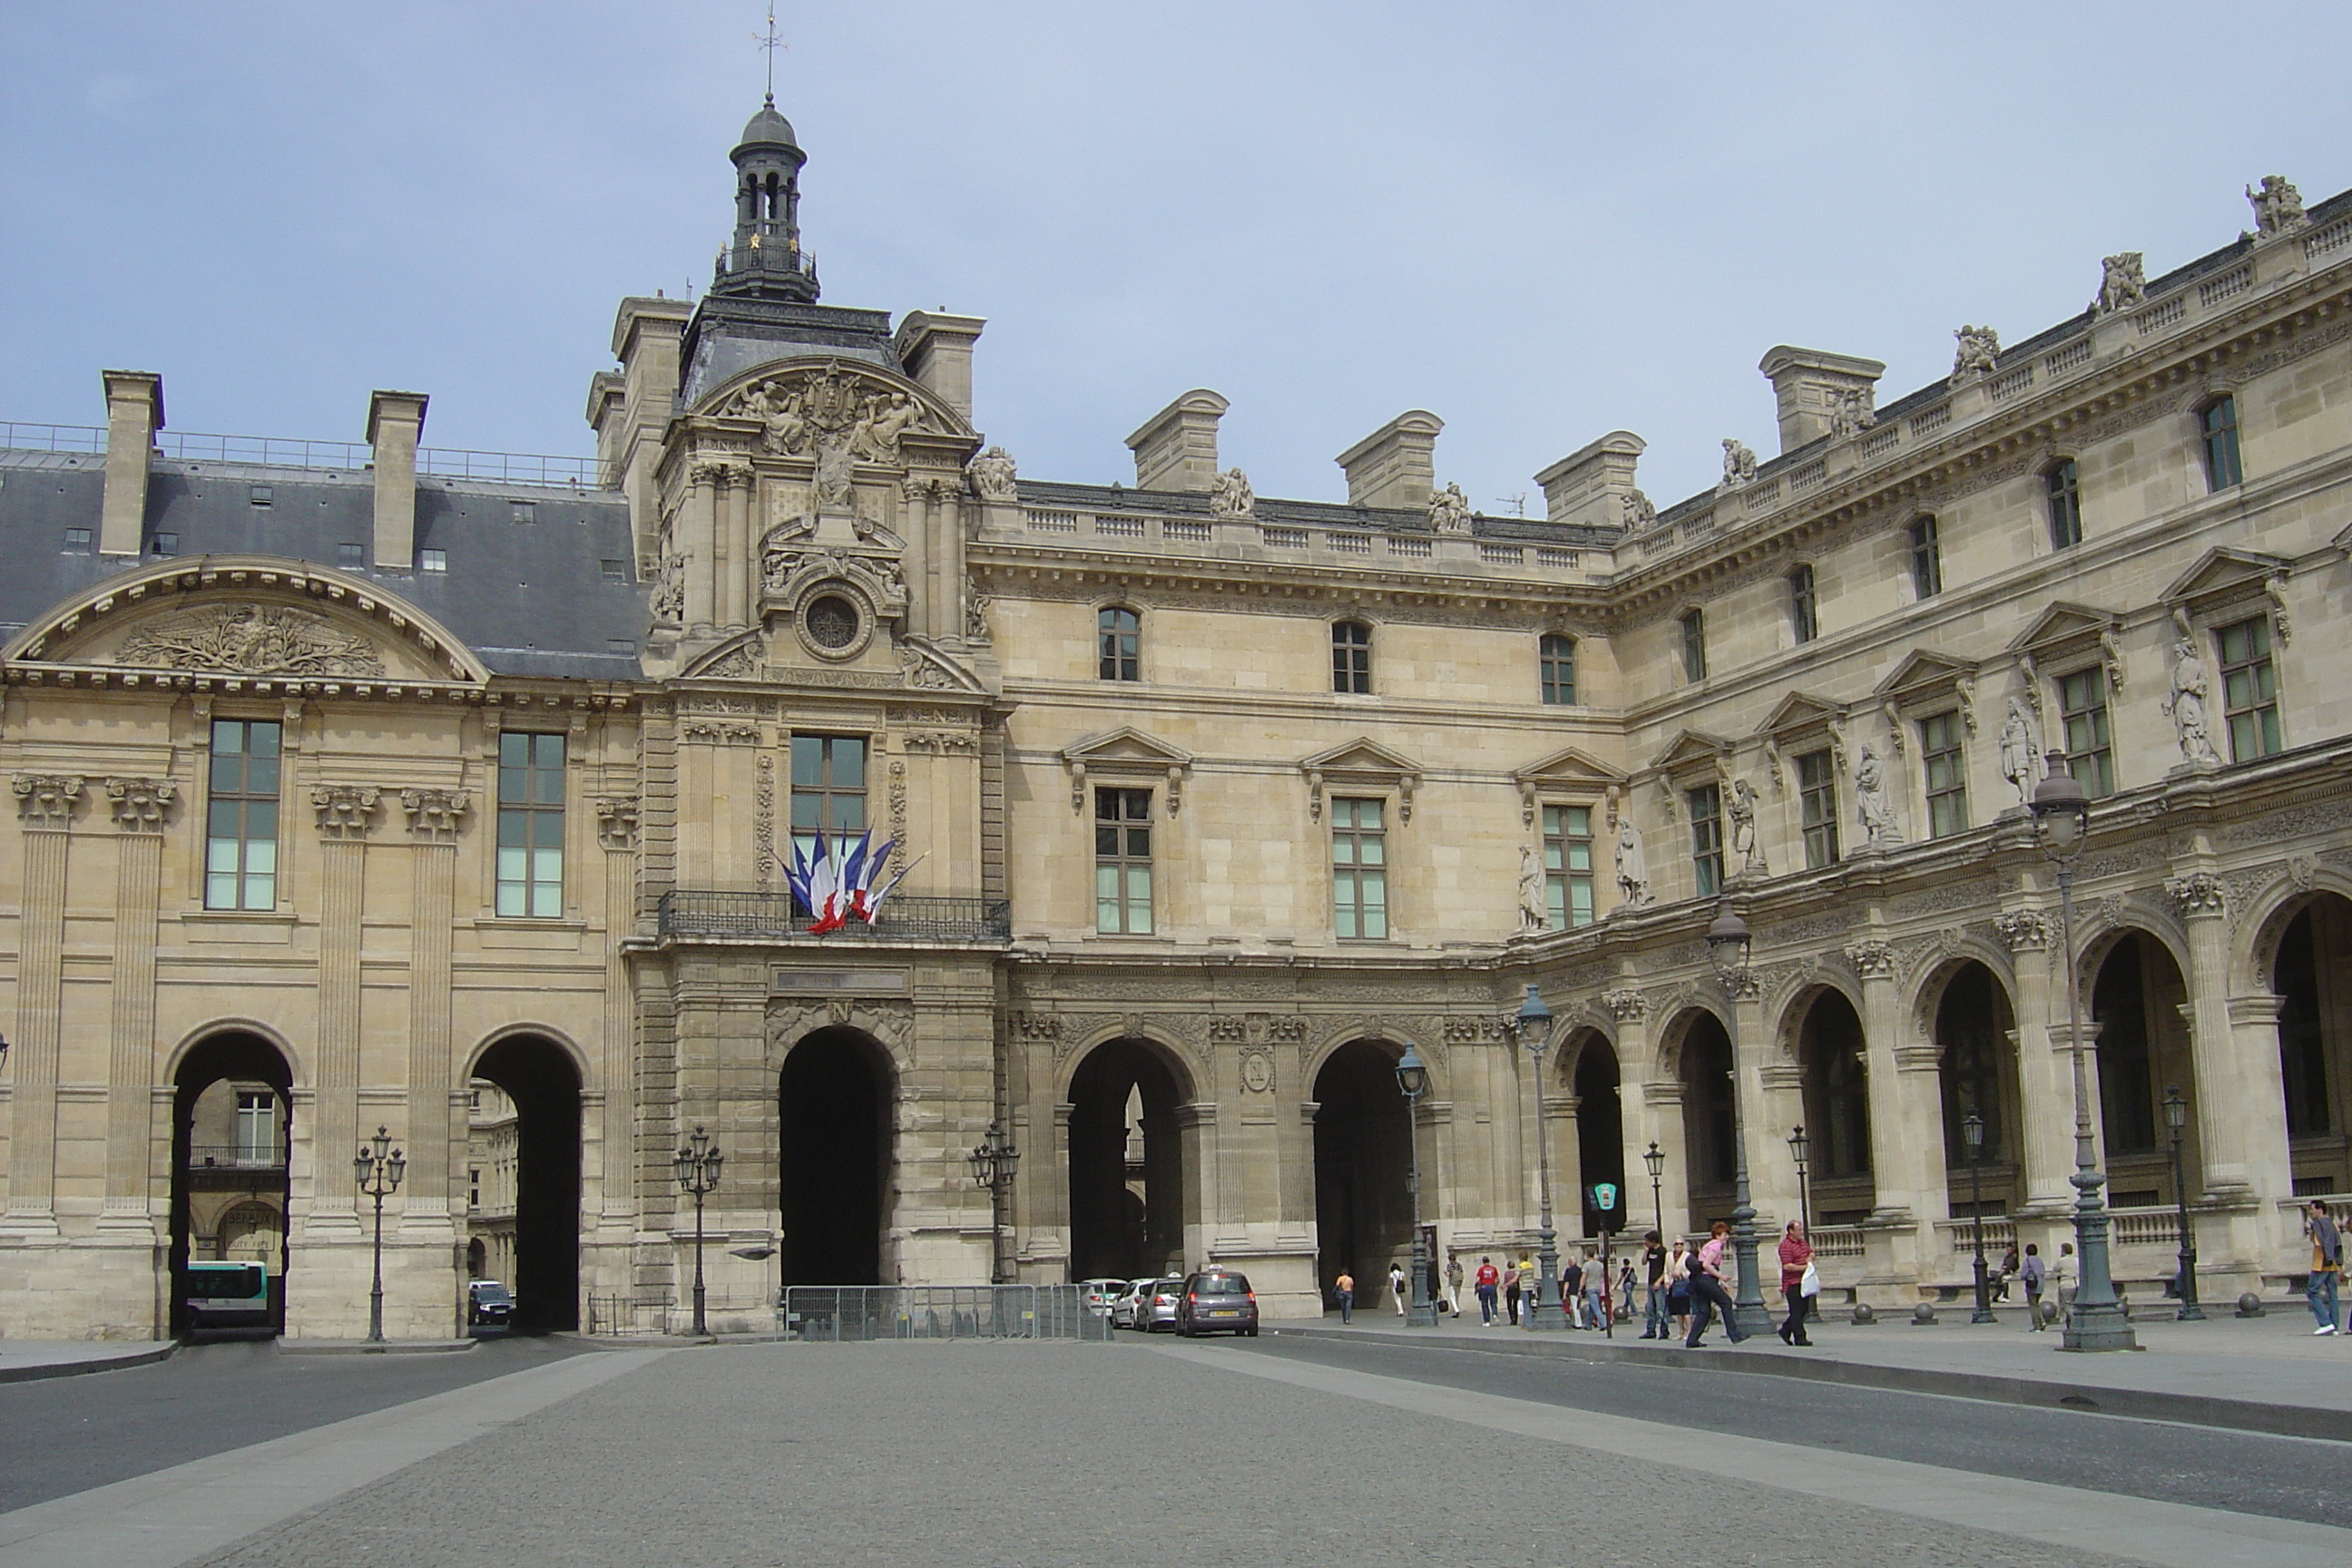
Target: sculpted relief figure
[[817, 409], [1871, 803], [2278, 205], [876, 434], [1231, 496], [2191, 687], [251, 639], [1738, 463], [2122, 283], [1633, 866], [1978, 351], [992, 476], [1449, 510], [2021, 759], [1532, 914]]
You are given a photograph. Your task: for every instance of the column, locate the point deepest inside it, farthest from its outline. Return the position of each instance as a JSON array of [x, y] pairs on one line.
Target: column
[[140, 807], [736, 554], [2045, 1083], [946, 514], [701, 533], [44, 808], [2239, 1099], [922, 559], [345, 814], [1763, 1102], [1657, 1118]]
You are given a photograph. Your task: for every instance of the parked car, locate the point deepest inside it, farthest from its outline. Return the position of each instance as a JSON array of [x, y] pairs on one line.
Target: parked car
[[1127, 1304], [1101, 1293], [488, 1305], [1155, 1309], [1217, 1302]]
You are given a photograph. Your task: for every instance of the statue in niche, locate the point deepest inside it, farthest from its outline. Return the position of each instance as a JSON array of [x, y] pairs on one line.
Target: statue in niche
[[2020, 755], [1449, 510], [994, 474], [836, 467], [1738, 463], [1533, 915], [1978, 351], [1870, 799], [1741, 806], [2278, 205], [2123, 282], [975, 618], [1231, 496], [669, 595], [1633, 866], [2191, 685]]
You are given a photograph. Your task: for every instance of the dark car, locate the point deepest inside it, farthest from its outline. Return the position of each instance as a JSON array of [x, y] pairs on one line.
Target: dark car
[[1217, 1302], [488, 1305]]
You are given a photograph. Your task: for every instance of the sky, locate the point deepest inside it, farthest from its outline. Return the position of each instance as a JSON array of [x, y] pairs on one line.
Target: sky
[[1541, 222]]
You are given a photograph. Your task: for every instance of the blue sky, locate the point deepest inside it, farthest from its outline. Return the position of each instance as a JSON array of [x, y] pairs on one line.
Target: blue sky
[[1542, 222]]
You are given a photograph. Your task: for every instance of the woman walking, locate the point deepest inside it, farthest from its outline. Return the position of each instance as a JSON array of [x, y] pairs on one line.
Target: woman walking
[[1678, 1287], [1796, 1256]]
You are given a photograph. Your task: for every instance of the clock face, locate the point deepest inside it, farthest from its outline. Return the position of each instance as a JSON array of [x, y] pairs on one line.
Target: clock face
[[1257, 1072]]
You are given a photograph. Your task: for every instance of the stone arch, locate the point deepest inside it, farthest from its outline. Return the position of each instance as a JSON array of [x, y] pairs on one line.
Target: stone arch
[[1363, 1156], [1833, 1086], [1935, 975], [1132, 1145], [1698, 1048], [715, 402], [1819, 980], [1970, 1020], [226, 1163], [1389, 1039], [1681, 1013], [540, 1072], [582, 1062], [212, 1028], [836, 1094], [888, 1024], [1179, 1061], [2135, 987], [1590, 1073], [2306, 957], [2274, 905]]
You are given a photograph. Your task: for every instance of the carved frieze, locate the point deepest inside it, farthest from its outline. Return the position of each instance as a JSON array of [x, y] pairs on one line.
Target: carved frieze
[[45, 802], [345, 810], [718, 732], [616, 821], [436, 814], [1871, 960], [2198, 893], [2023, 930], [141, 805], [1627, 1006], [250, 639]]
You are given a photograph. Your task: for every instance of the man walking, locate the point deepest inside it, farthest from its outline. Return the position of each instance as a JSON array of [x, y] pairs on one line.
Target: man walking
[[2030, 1273], [1344, 1289], [2326, 1269], [1487, 1281], [1708, 1294], [1454, 1286], [1596, 1290], [1571, 1289], [2065, 1275], [1656, 1325]]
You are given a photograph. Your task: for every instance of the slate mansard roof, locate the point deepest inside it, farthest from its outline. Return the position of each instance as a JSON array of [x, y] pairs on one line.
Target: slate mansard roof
[[531, 598]]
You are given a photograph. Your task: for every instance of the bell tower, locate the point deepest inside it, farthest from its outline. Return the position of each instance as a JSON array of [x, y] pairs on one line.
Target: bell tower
[[764, 260]]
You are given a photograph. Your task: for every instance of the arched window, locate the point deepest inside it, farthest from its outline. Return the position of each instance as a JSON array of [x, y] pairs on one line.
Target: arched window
[[1352, 656], [1556, 664], [2064, 484], [1118, 640]]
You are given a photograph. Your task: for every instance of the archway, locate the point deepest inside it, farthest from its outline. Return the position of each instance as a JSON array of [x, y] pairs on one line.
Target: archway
[[2142, 1047], [1127, 1162], [2311, 973], [1977, 1064], [1600, 1128], [834, 1099], [230, 1123], [1363, 1153], [1837, 1110], [538, 1076], [1709, 1127]]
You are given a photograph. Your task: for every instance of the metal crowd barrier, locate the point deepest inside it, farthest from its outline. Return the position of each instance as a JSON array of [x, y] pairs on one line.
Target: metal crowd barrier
[[836, 1313]]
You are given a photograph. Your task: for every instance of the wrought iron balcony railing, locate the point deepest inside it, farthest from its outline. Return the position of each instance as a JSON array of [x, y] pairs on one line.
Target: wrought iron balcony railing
[[718, 912], [234, 1157]]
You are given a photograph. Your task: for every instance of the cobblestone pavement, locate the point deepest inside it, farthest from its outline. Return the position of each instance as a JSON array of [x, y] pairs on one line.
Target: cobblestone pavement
[[1035, 1454]]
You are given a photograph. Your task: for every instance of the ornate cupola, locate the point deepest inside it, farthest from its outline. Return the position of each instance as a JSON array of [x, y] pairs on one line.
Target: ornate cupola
[[764, 260]]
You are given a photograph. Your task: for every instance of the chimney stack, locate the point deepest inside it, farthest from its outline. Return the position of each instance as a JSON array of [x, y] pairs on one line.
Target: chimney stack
[[1176, 448], [936, 349], [1396, 465], [395, 419], [1810, 386], [1589, 485], [135, 412]]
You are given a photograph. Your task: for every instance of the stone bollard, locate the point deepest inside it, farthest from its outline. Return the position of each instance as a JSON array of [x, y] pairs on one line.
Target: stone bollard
[[2249, 1305], [1922, 1316], [1863, 1316]]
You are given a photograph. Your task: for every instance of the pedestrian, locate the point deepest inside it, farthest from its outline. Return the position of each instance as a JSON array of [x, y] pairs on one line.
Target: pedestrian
[[2030, 1273], [2326, 1269], [1396, 1286], [1511, 1293], [1434, 1287], [1796, 1257], [1654, 1306], [1596, 1290], [1343, 1290], [1623, 1304], [1571, 1289], [1708, 1294], [2007, 1272], [1454, 1285], [1487, 1281], [1678, 1287], [2065, 1275]]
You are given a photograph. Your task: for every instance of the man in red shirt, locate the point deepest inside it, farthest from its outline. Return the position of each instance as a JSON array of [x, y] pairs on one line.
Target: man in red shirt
[[1488, 1278]]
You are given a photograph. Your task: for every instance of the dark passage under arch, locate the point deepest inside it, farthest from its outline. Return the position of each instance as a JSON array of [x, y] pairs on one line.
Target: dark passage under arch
[[235, 1171], [1363, 1215], [833, 1105], [536, 1074], [1127, 1178]]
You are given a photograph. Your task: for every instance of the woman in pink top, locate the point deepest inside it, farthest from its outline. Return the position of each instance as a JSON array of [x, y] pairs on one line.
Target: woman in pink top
[[1796, 1256]]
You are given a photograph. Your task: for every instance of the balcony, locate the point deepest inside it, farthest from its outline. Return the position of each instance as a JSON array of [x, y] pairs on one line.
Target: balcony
[[694, 913], [235, 1157]]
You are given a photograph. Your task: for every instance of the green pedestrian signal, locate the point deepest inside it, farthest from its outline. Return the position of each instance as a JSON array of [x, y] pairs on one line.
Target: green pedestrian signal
[[1604, 1196]]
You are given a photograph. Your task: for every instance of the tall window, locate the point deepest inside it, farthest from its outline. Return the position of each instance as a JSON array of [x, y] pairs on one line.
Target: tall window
[[1359, 873], [257, 1127], [530, 826], [1695, 645], [241, 820], [2083, 708], [1803, 619], [2250, 690], [828, 787], [1352, 656], [1817, 804], [1707, 836], [2218, 425], [1941, 755], [1568, 865], [1926, 559], [1123, 861], [1556, 664], [1118, 638], [2065, 494]]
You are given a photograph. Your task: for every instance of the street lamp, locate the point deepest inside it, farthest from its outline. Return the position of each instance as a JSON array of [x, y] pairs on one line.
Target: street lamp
[[1729, 941], [1799, 1146], [698, 1165], [1656, 1161], [1413, 1079], [1545, 1310], [992, 1161], [1973, 1134], [377, 1169], [2175, 1117], [2061, 824]]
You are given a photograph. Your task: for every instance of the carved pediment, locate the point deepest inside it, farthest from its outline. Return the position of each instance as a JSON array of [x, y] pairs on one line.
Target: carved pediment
[[1566, 772], [738, 658], [2064, 625], [808, 407], [1361, 763], [248, 616], [1692, 749], [1126, 754], [1797, 713], [1924, 673], [2224, 575]]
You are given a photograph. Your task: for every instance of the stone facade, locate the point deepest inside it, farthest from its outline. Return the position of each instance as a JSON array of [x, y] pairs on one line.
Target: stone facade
[[1209, 804]]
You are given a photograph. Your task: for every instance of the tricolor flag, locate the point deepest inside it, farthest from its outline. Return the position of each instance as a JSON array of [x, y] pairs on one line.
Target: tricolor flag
[[836, 882]]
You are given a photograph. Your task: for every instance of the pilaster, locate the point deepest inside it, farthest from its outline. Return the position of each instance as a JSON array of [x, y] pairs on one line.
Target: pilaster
[[2044, 1076], [140, 808], [2237, 1095], [616, 830], [435, 817], [45, 803], [345, 816]]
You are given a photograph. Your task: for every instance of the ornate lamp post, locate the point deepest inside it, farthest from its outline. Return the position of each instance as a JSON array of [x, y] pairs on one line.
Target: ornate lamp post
[[1656, 1161], [2061, 824], [1973, 1134], [993, 1161], [1799, 1146], [377, 1169], [1728, 944], [1533, 1025], [2175, 1117], [698, 1164], [1413, 1079]]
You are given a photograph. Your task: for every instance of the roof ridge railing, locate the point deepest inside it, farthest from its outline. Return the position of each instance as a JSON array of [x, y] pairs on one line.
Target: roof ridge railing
[[289, 452]]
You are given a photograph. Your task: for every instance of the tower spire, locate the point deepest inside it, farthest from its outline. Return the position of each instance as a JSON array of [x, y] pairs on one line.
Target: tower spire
[[770, 43]]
